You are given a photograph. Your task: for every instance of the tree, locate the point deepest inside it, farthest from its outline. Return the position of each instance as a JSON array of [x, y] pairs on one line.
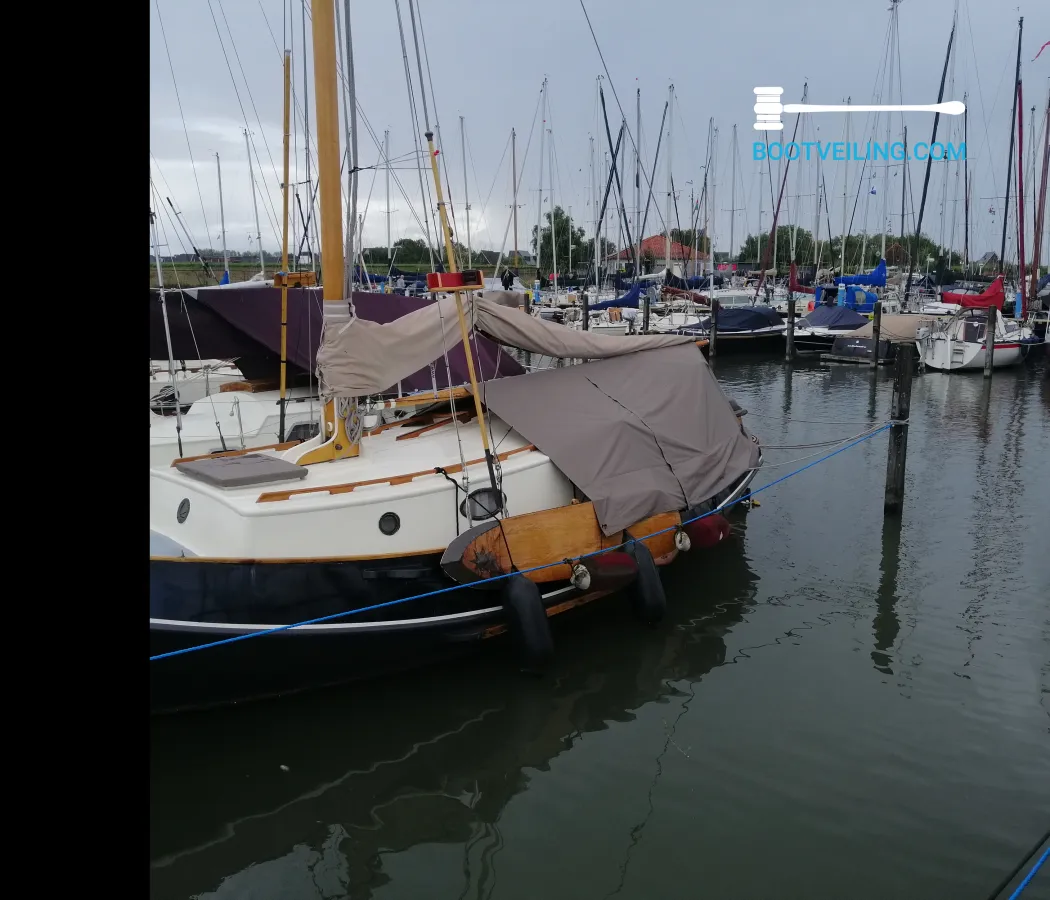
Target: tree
[[564, 231]]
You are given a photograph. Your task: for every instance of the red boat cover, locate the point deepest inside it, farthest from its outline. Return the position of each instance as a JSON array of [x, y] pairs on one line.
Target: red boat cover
[[994, 295], [793, 284]]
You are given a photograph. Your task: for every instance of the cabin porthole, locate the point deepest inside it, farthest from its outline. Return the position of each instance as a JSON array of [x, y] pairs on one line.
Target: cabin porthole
[[389, 523], [183, 510], [483, 503]]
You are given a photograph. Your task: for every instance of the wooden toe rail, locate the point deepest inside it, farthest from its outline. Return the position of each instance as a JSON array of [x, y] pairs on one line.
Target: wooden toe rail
[[273, 496]]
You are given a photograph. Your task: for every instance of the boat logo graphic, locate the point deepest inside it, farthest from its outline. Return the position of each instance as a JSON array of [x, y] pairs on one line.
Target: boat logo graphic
[[768, 108]]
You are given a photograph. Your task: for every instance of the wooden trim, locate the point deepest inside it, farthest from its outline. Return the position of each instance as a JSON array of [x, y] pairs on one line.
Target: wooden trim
[[288, 560], [272, 496], [251, 385], [462, 417], [287, 445], [702, 343], [458, 393], [420, 419]]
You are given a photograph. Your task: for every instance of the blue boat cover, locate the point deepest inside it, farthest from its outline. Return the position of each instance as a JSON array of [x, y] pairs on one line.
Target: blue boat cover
[[627, 301], [744, 318], [838, 317], [875, 278]]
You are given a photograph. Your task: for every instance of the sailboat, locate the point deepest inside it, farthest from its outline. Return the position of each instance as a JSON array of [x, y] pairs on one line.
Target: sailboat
[[959, 341], [385, 538]]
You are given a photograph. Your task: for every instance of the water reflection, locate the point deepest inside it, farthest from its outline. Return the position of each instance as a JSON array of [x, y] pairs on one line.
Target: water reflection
[[433, 759], [886, 625]]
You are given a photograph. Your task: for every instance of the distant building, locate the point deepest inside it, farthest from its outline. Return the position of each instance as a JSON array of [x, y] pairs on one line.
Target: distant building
[[989, 259], [656, 246]]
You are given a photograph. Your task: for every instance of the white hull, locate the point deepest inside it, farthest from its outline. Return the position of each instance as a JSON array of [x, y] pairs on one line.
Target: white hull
[[958, 343], [339, 521]]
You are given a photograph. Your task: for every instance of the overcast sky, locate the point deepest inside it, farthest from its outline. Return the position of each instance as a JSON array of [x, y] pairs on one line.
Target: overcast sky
[[488, 60]]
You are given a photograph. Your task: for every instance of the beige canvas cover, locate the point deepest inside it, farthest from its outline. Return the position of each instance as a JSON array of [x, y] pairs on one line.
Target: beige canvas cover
[[895, 327], [358, 357]]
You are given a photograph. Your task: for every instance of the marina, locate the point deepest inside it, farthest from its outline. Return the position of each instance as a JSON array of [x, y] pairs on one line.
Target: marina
[[833, 690], [652, 550]]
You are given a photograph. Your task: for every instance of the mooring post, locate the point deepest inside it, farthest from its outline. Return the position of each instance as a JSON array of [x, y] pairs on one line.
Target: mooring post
[[900, 409], [586, 312], [989, 342], [789, 335], [876, 333], [645, 313], [712, 338]]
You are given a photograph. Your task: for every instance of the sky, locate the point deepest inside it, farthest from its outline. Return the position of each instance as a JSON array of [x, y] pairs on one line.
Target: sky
[[489, 59]]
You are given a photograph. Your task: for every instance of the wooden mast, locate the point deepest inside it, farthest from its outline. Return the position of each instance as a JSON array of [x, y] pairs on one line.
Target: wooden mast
[[464, 335], [284, 245], [340, 442]]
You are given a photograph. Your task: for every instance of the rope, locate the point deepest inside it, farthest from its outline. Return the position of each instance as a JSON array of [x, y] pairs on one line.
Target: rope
[[1017, 892], [1030, 875], [495, 578]]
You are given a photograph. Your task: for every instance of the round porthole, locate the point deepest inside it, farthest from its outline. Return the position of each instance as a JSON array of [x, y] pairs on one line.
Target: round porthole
[[483, 503], [389, 523], [183, 511]]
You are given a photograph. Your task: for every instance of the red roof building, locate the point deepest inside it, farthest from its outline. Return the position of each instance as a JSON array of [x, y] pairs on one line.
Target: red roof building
[[657, 246]]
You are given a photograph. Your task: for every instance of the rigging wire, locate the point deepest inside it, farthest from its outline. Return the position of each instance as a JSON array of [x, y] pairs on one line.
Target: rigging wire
[[423, 191], [182, 115], [619, 106], [189, 322], [244, 115]]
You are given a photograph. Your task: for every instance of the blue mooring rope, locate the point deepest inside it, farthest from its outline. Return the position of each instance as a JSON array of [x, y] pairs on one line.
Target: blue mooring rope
[[456, 587], [1030, 875]]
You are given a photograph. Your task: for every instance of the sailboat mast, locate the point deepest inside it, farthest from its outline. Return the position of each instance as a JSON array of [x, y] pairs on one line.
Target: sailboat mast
[[732, 200], [167, 330], [222, 222], [466, 196], [355, 232], [670, 198], [1020, 202], [514, 190], [386, 159], [711, 197], [816, 221], [342, 421], [1010, 155], [284, 240], [1040, 208], [554, 244], [904, 186], [310, 221], [539, 192], [255, 204], [966, 194], [929, 167], [845, 189], [889, 99], [594, 204], [638, 181]]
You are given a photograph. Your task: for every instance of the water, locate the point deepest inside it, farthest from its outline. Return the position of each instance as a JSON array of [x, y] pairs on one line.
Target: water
[[833, 707]]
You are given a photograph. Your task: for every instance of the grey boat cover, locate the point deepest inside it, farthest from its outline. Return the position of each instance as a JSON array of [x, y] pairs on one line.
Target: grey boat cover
[[896, 328], [358, 357], [639, 435]]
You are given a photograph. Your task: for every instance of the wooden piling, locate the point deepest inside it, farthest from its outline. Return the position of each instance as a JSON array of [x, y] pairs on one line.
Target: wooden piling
[[586, 326], [713, 336], [645, 312], [989, 342], [789, 335], [876, 333], [900, 409]]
